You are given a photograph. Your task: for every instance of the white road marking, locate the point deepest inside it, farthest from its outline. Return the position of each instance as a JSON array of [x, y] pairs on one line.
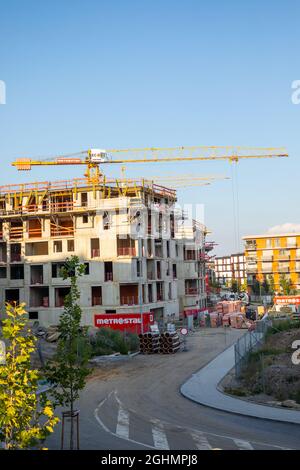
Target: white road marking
[[122, 429], [159, 436], [243, 445], [201, 441]]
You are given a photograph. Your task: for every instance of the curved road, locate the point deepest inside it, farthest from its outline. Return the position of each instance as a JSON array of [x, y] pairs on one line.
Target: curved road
[[136, 404]]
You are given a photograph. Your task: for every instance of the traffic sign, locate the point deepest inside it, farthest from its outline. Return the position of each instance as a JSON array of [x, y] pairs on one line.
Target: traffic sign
[[184, 331]]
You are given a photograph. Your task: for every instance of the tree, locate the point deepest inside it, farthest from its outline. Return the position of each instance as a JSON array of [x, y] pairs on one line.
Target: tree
[[21, 410], [272, 284], [234, 285], [286, 285], [265, 286], [67, 370]]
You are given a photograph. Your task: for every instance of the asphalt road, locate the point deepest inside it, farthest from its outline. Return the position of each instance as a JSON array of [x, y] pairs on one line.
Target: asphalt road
[[136, 404]]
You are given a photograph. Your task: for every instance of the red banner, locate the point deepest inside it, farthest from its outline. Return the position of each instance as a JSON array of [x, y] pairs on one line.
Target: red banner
[[287, 300], [131, 322]]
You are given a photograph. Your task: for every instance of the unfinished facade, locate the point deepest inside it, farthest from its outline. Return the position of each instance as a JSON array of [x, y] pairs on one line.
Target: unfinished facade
[[137, 254]]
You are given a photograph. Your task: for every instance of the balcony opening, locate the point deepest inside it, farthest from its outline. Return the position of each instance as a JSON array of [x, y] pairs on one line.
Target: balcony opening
[[62, 203], [150, 295], [17, 271], [33, 315], [96, 295], [129, 294], [12, 296], [3, 252], [34, 228], [16, 230], [106, 221], [158, 269], [95, 247], [36, 249], [36, 274], [125, 247], [70, 245], [31, 205], [139, 268], [3, 272], [189, 255], [150, 270], [85, 219], [158, 248], [39, 297], [174, 268], [15, 252], [149, 248], [191, 287], [60, 294], [64, 227], [108, 271], [87, 268], [159, 291], [56, 267], [1, 229], [57, 246], [84, 199]]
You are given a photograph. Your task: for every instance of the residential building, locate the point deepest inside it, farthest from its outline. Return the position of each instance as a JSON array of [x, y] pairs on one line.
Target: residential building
[[138, 257], [270, 256], [229, 268]]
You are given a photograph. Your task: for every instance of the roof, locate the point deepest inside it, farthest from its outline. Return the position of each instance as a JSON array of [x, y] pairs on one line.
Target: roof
[[272, 235]]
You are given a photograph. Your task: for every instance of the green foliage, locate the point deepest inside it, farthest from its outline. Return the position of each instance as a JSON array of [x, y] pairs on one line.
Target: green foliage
[[108, 341], [282, 325], [234, 286], [20, 409], [68, 369], [272, 284], [286, 285]]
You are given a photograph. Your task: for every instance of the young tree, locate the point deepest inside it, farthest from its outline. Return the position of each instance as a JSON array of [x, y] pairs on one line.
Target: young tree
[[20, 409], [67, 370], [272, 284], [286, 285]]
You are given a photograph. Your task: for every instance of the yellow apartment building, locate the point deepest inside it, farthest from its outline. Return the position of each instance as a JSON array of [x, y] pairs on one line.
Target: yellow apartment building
[[272, 255]]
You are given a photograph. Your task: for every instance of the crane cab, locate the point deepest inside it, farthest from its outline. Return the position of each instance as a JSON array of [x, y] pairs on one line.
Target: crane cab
[[98, 155]]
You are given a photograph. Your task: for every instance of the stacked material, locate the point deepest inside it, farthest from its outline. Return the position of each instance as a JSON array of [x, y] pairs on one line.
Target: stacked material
[[237, 320], [169, 343], [226, 307], [149, 343], [215, 319]]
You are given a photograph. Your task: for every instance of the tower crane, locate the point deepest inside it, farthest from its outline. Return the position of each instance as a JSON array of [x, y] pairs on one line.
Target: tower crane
[[93, 159]]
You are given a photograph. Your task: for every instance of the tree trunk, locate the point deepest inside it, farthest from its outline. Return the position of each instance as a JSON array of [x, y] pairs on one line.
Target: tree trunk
[[72, 423]]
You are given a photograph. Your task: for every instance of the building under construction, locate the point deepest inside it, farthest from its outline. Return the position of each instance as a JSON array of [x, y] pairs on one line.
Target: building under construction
[[141, 253]]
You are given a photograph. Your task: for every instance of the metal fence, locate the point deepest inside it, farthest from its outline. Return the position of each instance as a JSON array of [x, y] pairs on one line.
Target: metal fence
[[249, 342]]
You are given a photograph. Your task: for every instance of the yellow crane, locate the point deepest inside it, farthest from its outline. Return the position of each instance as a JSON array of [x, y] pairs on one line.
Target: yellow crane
[[94, 158]]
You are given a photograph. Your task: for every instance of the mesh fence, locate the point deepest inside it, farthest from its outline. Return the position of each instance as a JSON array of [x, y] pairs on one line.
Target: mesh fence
[[249, 342]]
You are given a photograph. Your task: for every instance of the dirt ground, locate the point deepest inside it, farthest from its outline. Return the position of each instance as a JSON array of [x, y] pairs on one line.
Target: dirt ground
[[270, 377]]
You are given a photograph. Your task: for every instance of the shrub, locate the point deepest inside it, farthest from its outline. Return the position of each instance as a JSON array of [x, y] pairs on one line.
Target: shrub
[[108, 341]]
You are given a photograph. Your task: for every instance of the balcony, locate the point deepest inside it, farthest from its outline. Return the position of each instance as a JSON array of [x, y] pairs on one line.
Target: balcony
[[191, 291], [129, 300], [251, 268], [267, 258], [15, 257], [284, 269], [297, 267], [95, 252], [267, 269], [250, 246], [283, 257], [126, 251], [108, 276]]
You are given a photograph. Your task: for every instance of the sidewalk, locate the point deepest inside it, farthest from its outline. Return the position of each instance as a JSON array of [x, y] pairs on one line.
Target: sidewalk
[[202, 388]]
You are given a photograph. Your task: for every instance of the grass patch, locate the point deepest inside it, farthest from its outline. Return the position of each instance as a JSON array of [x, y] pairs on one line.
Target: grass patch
[[282, 325], [238, 392]]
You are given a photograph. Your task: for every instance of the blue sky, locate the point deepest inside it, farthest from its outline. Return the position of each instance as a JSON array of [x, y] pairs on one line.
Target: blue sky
[[118, 74]]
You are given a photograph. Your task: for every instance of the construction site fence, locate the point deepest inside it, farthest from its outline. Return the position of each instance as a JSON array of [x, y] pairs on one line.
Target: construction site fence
[[249, 343]]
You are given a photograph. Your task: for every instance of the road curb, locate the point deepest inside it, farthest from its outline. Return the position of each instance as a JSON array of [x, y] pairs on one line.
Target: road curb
[[203, 388]]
